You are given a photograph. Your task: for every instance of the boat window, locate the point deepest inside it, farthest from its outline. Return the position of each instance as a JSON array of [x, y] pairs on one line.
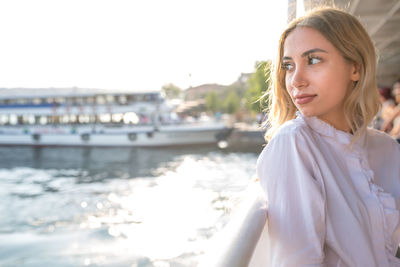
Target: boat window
[[139, 98], [73, 118], [60, 100], [92, 118], [131, 118], [84, 118], [4, 119], [55, 119], [105, 118], [110, 99], [122, 100], [31, 119], [79, 100], [70, 101], [24, 119], [153, 97], [90, 100], [22, 101], [13, 119], [43, 120], [36, 136], [37, 101], [64, 119], [147, 98], [130, 99], [117, 117], [132, 136], [20, 120], [100, 100], [85, 137], [37, 119]]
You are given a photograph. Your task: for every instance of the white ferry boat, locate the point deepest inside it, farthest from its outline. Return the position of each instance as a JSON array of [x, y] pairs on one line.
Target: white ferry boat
[[92, 117]]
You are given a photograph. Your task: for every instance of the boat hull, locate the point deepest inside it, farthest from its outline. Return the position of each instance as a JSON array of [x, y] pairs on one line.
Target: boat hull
[[125, 137]]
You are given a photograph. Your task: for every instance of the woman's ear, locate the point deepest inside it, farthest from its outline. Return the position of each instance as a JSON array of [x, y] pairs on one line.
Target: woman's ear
[[355, 72]]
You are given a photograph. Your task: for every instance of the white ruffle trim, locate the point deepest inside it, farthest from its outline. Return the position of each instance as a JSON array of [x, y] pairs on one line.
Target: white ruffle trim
[[390, 218]]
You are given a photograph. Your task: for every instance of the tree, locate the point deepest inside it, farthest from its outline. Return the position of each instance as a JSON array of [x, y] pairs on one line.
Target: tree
[[232, 102], [171, 91], [212, 101], [257, 86]]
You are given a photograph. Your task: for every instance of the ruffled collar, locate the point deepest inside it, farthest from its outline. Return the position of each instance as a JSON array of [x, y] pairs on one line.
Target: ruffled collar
[[326, 129]]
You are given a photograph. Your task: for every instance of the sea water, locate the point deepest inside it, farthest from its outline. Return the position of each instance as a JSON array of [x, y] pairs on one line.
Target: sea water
[[116, 206]]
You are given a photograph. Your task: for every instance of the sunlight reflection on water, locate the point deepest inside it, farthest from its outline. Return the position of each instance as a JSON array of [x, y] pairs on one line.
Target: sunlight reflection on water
[[121, 212]]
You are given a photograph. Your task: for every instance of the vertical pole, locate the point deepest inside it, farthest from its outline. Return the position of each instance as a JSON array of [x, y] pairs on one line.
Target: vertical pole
[[291, 15]]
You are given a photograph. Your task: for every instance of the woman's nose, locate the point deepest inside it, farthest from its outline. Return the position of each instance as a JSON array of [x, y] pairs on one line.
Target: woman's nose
[[299, 78]]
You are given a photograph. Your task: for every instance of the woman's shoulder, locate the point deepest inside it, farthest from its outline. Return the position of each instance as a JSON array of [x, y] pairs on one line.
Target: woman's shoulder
[[291, 133], [378, 140], [294, 136], [380, 137], [288, 156], [291, 130]]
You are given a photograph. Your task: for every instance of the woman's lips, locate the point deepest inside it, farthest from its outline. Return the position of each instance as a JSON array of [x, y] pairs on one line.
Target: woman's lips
[[304, 99]]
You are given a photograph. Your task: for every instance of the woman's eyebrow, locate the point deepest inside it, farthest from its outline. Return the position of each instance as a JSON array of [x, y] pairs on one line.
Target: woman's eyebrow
[[305, 54]]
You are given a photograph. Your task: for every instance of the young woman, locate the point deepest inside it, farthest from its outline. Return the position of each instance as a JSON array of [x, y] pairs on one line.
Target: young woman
[[332, 184]]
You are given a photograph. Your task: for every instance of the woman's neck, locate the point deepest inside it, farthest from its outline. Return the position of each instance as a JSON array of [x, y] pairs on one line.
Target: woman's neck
[[339, 122]]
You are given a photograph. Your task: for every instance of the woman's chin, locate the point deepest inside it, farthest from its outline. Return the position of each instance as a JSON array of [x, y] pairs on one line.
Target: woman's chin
[[306, 113]]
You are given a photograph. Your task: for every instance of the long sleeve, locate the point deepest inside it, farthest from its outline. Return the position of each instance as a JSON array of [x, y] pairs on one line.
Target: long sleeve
[[296, 209]]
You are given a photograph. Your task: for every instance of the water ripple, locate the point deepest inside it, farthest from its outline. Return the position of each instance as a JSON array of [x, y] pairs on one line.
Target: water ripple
[[79, 207]]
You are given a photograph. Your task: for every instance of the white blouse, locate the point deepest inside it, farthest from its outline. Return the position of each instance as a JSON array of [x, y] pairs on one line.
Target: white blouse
[[329, 205]]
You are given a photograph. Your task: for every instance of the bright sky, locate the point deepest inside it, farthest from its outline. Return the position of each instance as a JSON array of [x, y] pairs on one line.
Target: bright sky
[[134, 45]]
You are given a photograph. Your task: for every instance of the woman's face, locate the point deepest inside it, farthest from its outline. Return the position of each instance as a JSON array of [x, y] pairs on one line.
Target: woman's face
[[317, 77]]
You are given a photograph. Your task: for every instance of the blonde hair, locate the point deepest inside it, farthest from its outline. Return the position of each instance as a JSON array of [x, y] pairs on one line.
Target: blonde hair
[[350, 38]]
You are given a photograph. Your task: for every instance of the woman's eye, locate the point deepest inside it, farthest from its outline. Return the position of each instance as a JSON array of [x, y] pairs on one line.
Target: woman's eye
[[287, 66], [313, 60]]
